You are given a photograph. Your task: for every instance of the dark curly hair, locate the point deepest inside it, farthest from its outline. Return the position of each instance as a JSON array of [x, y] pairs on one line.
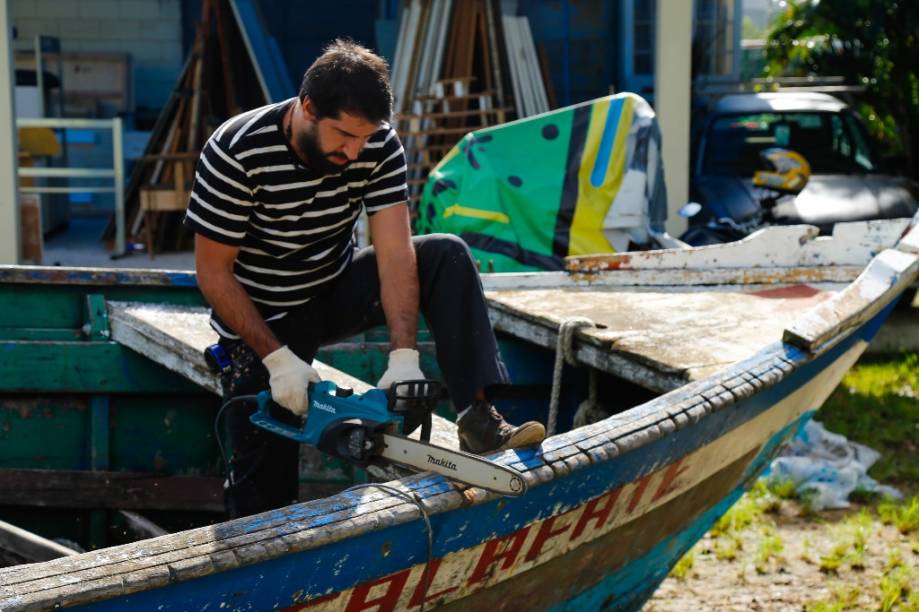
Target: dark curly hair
[[351, 78]]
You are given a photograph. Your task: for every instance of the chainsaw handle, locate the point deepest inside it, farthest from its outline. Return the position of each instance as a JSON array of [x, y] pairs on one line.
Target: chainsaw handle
[[262, 418], [414, 400]]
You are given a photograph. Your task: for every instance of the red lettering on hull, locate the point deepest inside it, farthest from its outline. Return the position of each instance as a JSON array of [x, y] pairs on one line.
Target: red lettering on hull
[[545, 532], [490, 555], [419, 590], [385, 602], [499, 554], [670, 475], [638, 492], [592, 513]]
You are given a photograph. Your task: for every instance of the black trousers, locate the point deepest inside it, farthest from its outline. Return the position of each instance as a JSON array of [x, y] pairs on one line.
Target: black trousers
[[264, 466]]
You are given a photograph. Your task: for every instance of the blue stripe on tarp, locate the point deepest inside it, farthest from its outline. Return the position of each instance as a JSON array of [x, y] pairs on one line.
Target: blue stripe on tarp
[[266, 61], [344, 564], [610, 128]]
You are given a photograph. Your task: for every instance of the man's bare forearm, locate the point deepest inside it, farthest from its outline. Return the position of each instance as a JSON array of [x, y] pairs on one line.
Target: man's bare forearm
[[399, 295], [231, 302]]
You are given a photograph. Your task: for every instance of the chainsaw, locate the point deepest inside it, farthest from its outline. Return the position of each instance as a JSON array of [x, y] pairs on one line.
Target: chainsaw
[[366, 428]]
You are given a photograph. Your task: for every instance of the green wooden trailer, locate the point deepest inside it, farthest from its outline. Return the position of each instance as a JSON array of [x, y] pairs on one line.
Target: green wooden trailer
[[100, 444]]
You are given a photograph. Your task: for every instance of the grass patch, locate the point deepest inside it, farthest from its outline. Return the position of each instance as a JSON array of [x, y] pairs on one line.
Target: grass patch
[[851, 541], [830, 564], [727, 549], [844, 598], [741, 515], [682, 567], [748, 510], [770, 547], [783, 489], [903, 515], [876, 405], [895, 589]]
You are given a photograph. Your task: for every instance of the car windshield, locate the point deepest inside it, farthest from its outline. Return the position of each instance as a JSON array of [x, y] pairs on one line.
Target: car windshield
[[832, 143]]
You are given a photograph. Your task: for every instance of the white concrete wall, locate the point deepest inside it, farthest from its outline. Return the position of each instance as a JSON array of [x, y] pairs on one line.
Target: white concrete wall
[[9, 198], [149, 30], [672, 91]]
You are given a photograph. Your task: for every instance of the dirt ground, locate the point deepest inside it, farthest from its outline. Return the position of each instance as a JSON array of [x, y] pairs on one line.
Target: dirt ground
[[772, 555]]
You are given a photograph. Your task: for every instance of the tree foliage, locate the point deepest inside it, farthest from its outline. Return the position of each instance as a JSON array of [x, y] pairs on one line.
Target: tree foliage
[[874, 43]]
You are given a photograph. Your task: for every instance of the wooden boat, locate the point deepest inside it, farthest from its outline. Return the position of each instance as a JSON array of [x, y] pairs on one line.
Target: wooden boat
[[700, 362]]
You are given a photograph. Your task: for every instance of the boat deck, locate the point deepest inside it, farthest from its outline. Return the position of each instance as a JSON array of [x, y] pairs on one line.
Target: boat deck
[[660, 339]]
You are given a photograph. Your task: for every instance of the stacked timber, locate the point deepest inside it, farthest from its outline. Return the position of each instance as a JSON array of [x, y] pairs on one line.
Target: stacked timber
[[448, 81], [219, 79]]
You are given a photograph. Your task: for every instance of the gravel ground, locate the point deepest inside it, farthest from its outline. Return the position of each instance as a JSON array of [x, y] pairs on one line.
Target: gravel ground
[[786, 559]]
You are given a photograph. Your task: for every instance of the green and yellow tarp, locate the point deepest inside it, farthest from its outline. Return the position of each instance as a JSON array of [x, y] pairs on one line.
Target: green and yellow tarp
[[524, 195]]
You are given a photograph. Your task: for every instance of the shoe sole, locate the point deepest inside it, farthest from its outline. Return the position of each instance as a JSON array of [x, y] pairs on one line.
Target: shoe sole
[[527, 434]]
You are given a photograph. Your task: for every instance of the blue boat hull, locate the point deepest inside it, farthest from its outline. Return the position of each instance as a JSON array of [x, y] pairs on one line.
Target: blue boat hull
[[601, 537]]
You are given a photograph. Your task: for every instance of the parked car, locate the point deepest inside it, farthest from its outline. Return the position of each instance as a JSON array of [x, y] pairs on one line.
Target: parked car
[[848, 180]]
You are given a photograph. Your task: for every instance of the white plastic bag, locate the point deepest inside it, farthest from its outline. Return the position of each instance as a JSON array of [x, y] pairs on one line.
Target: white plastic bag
[[825, 467]]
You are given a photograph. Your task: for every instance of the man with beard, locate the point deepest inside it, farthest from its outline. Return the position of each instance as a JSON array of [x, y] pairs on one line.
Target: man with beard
[[277, 193]]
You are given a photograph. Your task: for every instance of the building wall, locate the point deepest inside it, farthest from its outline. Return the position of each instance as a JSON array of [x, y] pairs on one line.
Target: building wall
[[586, 28], [149, 30]]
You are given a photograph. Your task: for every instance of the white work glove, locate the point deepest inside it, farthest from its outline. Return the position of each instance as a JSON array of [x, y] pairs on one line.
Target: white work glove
[[403, 365], [290, 376]]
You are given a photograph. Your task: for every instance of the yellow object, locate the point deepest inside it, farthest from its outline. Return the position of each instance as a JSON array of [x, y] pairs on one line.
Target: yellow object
[[788, 172], [475, 213], [39, 141], [600, 174]]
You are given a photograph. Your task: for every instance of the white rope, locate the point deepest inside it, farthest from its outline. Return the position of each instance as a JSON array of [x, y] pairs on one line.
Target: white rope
[[564, 352], [589, 411]]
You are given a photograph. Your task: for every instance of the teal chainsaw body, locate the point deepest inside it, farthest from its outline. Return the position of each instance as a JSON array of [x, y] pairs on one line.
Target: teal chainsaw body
[[348, 424], [374, 426]]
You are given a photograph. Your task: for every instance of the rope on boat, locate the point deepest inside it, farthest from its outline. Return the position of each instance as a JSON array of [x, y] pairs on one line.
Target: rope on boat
[[564, 353], [414, 498]]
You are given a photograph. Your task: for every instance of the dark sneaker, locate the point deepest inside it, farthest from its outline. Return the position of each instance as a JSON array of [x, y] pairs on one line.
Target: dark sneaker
[[483, 430]]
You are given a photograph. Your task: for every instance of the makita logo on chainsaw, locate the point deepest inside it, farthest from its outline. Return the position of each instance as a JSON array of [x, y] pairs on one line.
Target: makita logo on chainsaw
[[442, 463], [325, 407]]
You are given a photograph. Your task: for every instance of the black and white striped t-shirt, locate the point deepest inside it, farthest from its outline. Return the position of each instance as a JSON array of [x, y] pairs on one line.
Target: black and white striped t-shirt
[[294, 227]]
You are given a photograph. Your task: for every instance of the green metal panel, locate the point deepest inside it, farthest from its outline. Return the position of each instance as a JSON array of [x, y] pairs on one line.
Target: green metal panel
[[165, 435], [99, 432], [62, 306], [41, 334], [44, 433], [96, 326], [83, 367]]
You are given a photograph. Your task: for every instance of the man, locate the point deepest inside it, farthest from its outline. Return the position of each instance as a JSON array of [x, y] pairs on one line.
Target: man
[[276, 196]]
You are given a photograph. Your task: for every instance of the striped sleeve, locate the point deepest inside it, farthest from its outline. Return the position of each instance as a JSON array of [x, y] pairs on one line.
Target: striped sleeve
[[221, 199], [386, 186]]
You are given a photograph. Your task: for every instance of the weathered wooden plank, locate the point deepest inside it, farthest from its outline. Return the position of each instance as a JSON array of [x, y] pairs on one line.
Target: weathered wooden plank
[[888, 275], [57, 275], [787, 246], [657, 339], [172, 336], [910, 242], [675, 280], [30, 546], [586, 352], [141, 526]]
